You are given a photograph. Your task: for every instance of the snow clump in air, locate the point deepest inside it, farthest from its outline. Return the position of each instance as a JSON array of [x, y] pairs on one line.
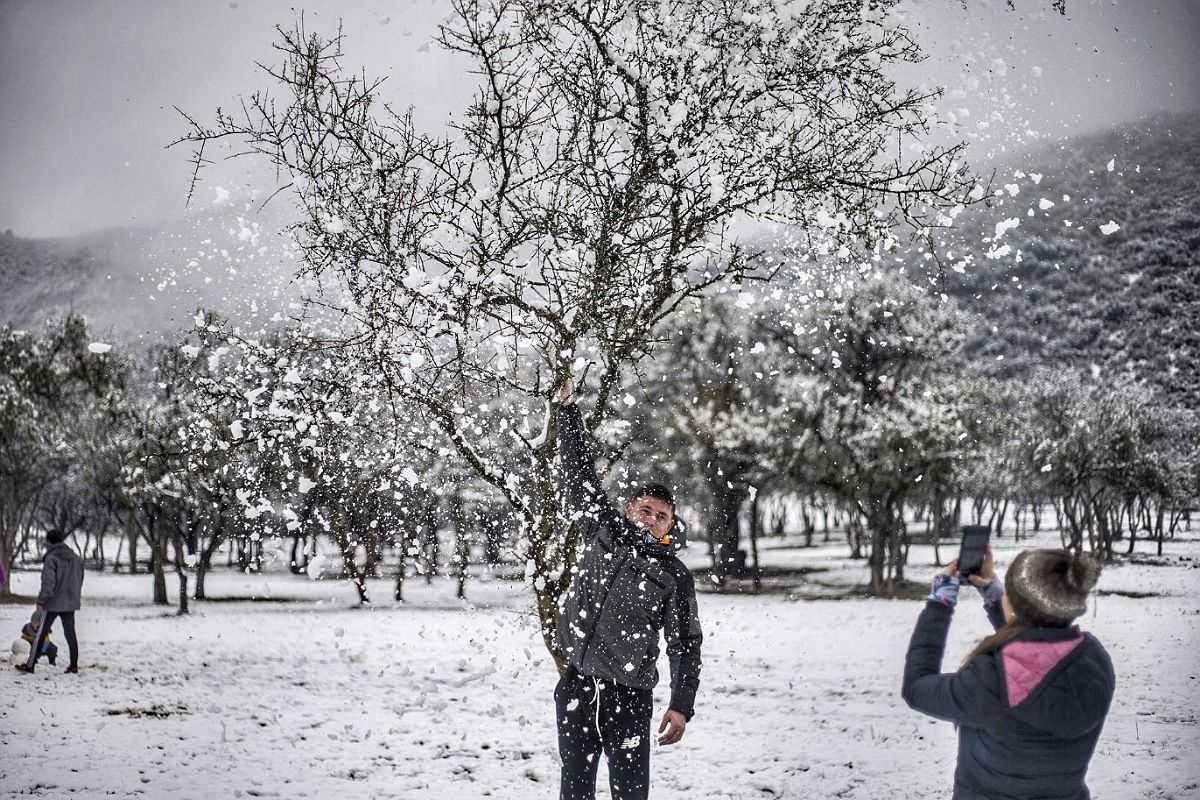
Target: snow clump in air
[[1004, 226], [315, 565]]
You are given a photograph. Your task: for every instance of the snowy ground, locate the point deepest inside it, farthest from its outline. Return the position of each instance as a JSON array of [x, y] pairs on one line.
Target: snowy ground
[[306, 696]]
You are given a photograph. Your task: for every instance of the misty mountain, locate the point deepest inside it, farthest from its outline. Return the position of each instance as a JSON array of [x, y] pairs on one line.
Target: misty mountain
[[139, 283], [39, 277], [1086, 256], [1095, 259]]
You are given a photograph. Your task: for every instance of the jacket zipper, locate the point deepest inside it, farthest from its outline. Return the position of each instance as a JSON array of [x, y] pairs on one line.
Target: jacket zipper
[[587, 643]]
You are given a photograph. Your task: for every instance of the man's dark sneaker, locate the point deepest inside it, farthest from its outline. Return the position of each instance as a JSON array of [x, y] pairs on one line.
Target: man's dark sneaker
[[51, 661], [72, 670], [24, 668]]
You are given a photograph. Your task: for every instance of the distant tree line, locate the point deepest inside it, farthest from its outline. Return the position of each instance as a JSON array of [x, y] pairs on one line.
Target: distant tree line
[[214, 444], [835, 403], [848, 398]]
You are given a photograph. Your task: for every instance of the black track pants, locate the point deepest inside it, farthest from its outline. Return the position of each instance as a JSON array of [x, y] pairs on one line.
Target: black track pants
[[68, 625], [595, 716]]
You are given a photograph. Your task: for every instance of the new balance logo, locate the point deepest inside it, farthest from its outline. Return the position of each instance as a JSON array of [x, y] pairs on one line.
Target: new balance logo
[[631, 743]]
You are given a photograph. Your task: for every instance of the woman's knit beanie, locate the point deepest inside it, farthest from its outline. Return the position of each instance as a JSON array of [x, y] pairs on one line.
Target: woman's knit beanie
[[1050, 587]]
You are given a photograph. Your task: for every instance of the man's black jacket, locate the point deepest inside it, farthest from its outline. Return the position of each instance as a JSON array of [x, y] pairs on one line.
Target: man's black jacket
[[625, 589]]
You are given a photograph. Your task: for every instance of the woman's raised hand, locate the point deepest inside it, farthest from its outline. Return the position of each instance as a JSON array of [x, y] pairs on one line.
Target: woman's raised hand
[[987, 572]]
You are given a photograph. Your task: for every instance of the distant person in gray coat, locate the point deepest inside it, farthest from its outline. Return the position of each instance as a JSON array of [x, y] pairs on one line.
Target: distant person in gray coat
[[62, 583], [628, 587], [1030, 700]]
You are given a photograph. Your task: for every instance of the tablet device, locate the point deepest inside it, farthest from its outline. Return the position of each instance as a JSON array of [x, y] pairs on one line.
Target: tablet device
[[974, 546]]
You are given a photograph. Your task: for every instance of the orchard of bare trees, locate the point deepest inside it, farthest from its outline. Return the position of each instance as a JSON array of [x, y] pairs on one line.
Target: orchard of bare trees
[[721, 220]]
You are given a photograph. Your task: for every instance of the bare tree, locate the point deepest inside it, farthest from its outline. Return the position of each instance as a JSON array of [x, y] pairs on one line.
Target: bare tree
[[57, 399], [592, 187], [303, 443], [874, 409]]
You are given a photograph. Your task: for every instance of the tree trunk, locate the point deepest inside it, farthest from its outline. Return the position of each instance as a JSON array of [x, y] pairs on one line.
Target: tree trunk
[[5, 569], [348, 548], [854, 534], [431, 545], [1161, 529], [552, 553], [131, 535], [204, 563], [102, 562], [1135, 519], [901, 548], [1003, 512], [886, 555], [183, 592], [181, 572], [462, 542], [402, 562], [875, 558], [493, 535], [120, 548], [755, 530], [160, 579], [294, 561], [779, 521], [366, 522], [725, 528], [938, 512], [810, 525], [158, 557]]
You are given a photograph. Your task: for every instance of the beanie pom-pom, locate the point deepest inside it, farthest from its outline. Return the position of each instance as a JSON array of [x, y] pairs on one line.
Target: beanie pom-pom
[[1083, 573]]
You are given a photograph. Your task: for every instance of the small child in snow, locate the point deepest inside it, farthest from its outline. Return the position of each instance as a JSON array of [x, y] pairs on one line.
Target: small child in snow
[[29, 632]]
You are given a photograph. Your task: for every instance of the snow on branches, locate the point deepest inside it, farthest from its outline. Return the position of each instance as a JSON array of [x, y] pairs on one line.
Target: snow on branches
[[590, 189]]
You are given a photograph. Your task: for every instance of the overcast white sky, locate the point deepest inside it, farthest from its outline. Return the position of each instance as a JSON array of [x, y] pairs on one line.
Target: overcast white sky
[[87, 86]]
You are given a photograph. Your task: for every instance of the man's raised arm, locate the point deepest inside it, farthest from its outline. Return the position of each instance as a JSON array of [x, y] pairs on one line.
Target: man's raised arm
[[580, 483]]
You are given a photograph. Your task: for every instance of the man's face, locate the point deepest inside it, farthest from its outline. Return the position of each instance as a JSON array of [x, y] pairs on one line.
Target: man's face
[[651, 514]]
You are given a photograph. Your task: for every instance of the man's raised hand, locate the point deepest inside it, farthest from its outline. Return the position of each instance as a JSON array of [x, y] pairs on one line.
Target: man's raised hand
[[566, 393], [673, 723]]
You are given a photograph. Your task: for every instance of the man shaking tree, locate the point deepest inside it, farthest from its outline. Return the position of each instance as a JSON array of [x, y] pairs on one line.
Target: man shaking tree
[[628, 586]]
